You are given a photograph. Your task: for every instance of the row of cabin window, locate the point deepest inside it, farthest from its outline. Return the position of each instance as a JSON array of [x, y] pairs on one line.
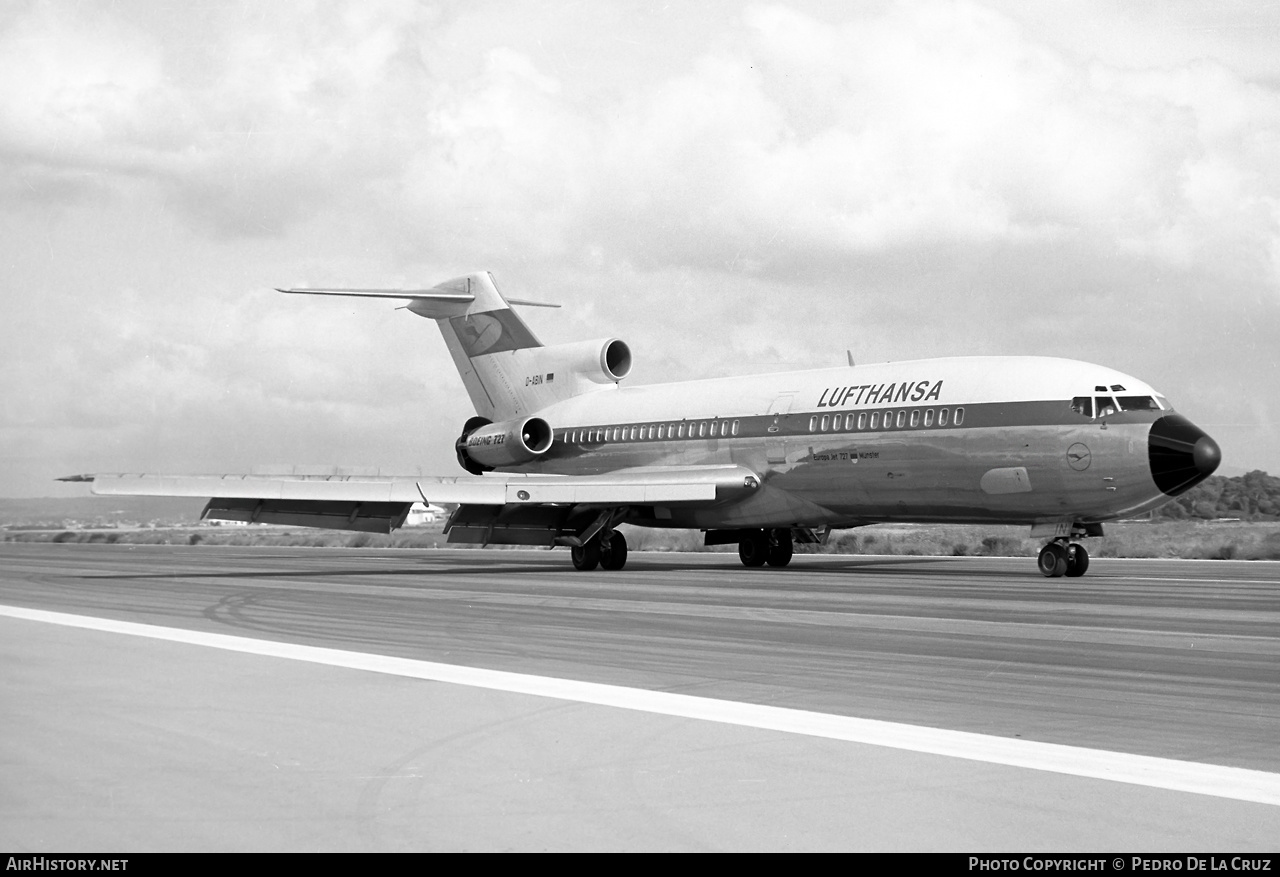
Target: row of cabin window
[[647, 431], [891, 420]]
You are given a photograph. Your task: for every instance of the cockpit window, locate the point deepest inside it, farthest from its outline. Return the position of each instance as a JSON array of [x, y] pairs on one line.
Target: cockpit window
[[1137, 403], [1108, 405]]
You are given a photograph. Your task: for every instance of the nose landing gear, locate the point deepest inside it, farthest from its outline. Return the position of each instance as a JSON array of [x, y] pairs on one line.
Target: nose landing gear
[[1060, 558]]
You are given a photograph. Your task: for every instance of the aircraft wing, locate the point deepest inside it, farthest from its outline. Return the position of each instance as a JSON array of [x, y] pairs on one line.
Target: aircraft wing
[[381, 503]]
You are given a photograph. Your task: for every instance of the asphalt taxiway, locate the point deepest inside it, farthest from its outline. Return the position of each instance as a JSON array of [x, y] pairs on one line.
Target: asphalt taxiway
[[113, 741]]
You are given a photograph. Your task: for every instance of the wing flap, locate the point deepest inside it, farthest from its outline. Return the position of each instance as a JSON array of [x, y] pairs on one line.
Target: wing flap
[[365, 517]]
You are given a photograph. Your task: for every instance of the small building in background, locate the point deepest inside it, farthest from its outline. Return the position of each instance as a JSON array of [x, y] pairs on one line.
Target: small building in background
[[421, 514]]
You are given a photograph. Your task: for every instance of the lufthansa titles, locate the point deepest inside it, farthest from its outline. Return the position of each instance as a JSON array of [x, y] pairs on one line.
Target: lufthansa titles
[[881, 394]]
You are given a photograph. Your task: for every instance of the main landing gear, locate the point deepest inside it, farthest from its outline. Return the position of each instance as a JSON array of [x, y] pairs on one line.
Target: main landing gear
[[608, 551], [1061, 558], [773, 547]]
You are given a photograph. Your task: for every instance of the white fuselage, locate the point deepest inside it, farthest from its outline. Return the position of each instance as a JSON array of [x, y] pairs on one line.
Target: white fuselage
[[974, 439]]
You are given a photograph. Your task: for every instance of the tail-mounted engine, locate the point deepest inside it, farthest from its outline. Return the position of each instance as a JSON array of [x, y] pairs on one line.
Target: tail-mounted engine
[[602, 361], [614, 361], [484, 446]]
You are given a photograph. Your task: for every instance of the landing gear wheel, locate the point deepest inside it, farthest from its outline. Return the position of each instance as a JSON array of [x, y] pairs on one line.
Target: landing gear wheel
[[613, 553], [1077, 560], [780, 548], [1053, 561], [754, 550], [587, 557]]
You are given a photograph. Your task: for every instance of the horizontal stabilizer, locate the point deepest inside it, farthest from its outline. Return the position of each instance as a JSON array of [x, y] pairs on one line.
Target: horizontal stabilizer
[[435, 294], [531, 304], [441, 295]]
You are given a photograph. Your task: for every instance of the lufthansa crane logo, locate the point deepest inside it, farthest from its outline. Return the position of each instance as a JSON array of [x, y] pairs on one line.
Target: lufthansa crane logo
[[479, 332], [1078, 456]]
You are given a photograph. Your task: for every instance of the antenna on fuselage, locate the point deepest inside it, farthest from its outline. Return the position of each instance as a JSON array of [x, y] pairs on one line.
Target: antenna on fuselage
[[849, 354]]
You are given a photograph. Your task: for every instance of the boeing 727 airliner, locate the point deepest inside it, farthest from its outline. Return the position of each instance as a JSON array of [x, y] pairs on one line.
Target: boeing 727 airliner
[[560, 452]]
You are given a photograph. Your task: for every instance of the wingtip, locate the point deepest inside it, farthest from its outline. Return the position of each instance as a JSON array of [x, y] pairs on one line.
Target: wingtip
[[76, 478]]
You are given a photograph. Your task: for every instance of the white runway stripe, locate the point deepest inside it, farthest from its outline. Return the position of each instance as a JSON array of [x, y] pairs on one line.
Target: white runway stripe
[[1162, 773]]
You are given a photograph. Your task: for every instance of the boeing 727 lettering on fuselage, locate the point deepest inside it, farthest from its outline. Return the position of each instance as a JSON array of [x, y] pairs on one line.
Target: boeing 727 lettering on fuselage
[[560, 453]]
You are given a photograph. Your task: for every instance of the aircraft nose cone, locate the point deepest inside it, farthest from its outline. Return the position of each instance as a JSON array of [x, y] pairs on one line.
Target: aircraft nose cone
[[1181, 454], [1207, 455]]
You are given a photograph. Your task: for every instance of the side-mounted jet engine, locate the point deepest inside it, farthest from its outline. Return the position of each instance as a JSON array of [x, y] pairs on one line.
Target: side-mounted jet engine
[[484, 446]]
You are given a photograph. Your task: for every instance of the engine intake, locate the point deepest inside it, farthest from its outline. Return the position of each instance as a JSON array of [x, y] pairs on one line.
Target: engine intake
[[615, 359], [485, 446], [601, 361]]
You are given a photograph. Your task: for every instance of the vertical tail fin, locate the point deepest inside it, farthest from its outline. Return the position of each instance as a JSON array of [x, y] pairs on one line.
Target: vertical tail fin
[[507, 371], [486, 339]]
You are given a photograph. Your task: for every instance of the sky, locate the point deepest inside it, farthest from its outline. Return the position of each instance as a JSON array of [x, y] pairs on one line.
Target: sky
[[729, 187]]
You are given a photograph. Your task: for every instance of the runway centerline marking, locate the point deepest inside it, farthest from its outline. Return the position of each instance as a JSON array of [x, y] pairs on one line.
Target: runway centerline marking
[[1237, 783]]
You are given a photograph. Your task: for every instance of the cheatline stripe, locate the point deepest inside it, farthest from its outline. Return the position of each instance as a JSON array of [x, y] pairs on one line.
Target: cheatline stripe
[[1161, 773]]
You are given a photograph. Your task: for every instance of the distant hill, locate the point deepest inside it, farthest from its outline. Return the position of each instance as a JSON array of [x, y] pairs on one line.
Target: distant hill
[[1254, 496]]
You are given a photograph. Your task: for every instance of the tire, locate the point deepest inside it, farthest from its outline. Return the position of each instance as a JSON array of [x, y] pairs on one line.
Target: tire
[[1052, 561], [586, 558], [780, 551], [1077, 560], [613, 555], [754, 550]]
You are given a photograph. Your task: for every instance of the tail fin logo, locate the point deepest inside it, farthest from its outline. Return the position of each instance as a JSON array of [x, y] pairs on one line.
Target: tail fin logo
[[492, 332], [478, 333]]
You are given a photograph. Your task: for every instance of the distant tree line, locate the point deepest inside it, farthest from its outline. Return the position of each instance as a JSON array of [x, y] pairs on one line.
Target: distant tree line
[[1254, 496]]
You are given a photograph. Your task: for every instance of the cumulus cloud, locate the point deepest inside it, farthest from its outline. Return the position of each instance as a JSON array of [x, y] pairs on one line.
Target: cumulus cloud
[[790, 179], [936, 122], [84, 86], [249, 124], [787, 137]]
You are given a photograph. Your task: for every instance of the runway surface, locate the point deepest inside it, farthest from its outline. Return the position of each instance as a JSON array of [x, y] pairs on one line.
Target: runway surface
[[1179, 660]]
